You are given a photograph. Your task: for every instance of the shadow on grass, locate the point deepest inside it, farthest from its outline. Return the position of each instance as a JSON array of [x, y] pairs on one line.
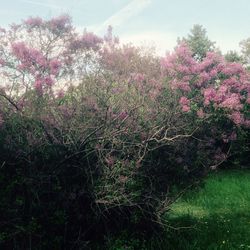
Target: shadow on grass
[[216, 231]]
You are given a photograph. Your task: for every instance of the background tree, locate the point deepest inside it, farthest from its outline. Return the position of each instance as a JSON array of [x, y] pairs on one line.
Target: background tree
[[245, 50], [233, 56], [198, 42]]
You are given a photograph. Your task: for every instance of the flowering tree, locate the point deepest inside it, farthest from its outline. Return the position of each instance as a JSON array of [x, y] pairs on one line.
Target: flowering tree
[[210, 85], [91, 128], [211, 91]]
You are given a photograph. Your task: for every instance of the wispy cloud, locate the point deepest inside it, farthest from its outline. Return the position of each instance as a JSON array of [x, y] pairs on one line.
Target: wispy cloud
[[47, 5], [130, 10]]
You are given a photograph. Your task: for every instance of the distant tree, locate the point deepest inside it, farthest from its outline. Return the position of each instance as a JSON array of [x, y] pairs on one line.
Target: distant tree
[[198, 42], [245, 50], [233, 56]]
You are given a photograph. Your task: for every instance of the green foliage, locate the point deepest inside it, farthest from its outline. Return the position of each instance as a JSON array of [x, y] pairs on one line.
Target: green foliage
[[198, 42], [245, 50], [233, 56]]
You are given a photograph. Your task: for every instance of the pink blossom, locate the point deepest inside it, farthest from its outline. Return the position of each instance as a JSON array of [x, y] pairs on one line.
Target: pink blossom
[[183, 52], [182, 85], [204, 76], [60, 24], [28, 56], [180, 60], [237, 118], [187, 78], [207, 62], [220, 66], [166, 63], [39, 86], [91, 41], [209, 95], [34, 22], [55, 66], [48, 81], [232, 69], [213, 73], [222, 91], [232, 102], [184, 101], [230, 81], [88, 41], [200, 113], [185, 108], [183, 69]]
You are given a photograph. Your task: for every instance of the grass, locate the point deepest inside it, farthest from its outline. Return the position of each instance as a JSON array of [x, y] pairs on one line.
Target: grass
[[219, 214], [215, 216]]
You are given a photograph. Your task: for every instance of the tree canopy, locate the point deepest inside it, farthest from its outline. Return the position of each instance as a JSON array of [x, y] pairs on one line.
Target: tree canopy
[[198, 42]]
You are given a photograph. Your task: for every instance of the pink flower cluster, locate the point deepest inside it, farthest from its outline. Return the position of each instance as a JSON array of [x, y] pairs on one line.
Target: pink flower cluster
[[185, 104], [212, 81], [28, 57], [35, 63], [33, 22], [87, 41], [54, 66], [60, 24]]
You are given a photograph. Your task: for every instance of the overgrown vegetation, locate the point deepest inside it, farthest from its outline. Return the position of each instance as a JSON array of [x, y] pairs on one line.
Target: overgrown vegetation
[[215, 216], [95, 134]]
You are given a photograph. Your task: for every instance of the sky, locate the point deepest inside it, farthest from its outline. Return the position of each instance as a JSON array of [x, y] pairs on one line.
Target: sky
[[144, 22]]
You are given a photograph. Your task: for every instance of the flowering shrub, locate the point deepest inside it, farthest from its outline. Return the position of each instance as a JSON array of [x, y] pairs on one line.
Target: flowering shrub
[[210, 85], [91, 129], [214, 92]]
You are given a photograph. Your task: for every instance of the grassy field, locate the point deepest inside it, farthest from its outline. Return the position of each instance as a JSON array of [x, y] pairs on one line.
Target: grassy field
[[217, 216]]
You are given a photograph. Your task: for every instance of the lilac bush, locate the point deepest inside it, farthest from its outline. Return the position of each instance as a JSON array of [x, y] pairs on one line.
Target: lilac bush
[[91, 128]]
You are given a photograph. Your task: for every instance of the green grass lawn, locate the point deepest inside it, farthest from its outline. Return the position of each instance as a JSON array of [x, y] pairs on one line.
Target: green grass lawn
[[217, 216]]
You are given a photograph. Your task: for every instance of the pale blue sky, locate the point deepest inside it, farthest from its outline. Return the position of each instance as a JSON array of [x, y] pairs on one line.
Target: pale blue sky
[[227, 21]]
